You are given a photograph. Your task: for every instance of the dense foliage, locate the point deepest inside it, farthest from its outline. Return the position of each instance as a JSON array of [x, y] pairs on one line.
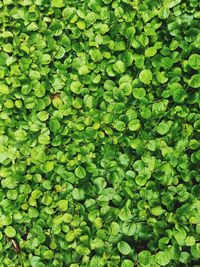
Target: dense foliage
[[99, 133]]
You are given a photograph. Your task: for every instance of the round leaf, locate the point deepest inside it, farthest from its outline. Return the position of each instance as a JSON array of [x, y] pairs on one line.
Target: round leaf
[[124, 248], [10, 231], [145, 76]]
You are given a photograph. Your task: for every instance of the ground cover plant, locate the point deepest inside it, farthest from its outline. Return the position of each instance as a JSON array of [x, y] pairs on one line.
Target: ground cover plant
[[99, 133]]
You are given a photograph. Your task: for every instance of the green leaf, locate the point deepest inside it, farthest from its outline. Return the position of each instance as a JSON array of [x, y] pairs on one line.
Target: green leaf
[[125, 214], [140, 180], [63, 204], [127, 263], [190, 241], [80, 172], [48, 254], [180, 236], [45, 60], [48, 166], [95, 54], [10, 231], [195, 250], [78, 194], [88, 101], [195, 81], [120, 126], [178, 92], [83, 70], [157, 211], [96, 261], [3, 154], [171, 3], [81, 25], [20, 135], [161, 77], [119, 46], [145, 112], [128, 58], [163, 127], [162, 258], [38, 154], [194, 61], [134, 125], [119, 66], [129, 33], [82, 250], [145, 76], [76, 87], [5, 220], [124, 248], [139, 60], [4, 89], [144, 40], [54, 125], [39, 91], [126, 88], [164, 12], [114, 228], [139, 93], [129, 228], [36, 262], [185, 257], [43, 115], [150, 51], [145, 257], [57, 3]]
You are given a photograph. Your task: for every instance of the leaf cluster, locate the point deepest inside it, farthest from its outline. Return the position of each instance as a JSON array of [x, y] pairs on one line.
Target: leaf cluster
[[99, 133]]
